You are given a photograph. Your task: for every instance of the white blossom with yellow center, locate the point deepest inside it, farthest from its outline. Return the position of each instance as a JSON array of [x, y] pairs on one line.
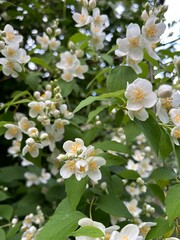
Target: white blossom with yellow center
[[175, 116], [139, 95], [82, 18], [129, 232], [13, 132], [11, 37], [132, 45]]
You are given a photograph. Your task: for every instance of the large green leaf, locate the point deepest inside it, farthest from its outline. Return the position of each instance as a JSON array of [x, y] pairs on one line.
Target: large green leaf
[[156, 191], [6, 211], [172, 203], [2, 234], [152, 132], [61, 224], [75, 190], [113, 206], [112, 145], [40, 62], [119, 77], [113, 160], [95, 112], [91, 99]]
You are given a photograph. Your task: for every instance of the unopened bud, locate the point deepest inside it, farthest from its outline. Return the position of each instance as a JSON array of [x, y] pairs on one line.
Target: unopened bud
[[85, 3], [147, 7], [57, 31], [49, 30], [92, 4], [164, 91], [2, 45], [79, 53], [71, 45]]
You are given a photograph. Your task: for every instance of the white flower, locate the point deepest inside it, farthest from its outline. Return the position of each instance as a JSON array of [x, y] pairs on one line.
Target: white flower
[[81, 168], [15, 148], [44, 176], [31, 179], [23, 57], [43, 41], [175, 133], [79, 70], [65, 112], [33, 132], [134, 64], [68, 169], [140, 94], [175, 116], [10, 67], [129, 232], [82, 18], [132, 45], [24, 124], [67, 60], [133, 191], [164, 91], [11, 37], [59, 125], [132, 207], [13, 132], [98, 20], [32, 148], [97, 40], [141, 114], [54, 43], [36, 108], [67, 75], [11, 51], [29, 234], [74, 147], [152, 30], [94, 163], [131, 165], [145, 227]]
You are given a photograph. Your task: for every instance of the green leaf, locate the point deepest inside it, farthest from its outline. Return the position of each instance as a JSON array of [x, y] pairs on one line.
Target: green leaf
[[159, 230], [163, 173], [75, 190], [40, 62], [152, 132], [157, 191], [88, 231], [172, 203], [119, 77], [112, 145], [94, 113], [112, 186], [61, 224], [129, 174], [33, 80], [80, 39], [108, 59], [113, 206], [13, 173], [131, 131], [90, 134], [165, 145], [12, 231], [177, 155], [66, 87], [91, 99], [3, 196], [6, 211], [2, 234], [113, 160]]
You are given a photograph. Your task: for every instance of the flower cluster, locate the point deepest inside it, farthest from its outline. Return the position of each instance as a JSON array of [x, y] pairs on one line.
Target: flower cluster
[[49, 110], [14, 56], [136, 40], [81, 161], [97, 24]]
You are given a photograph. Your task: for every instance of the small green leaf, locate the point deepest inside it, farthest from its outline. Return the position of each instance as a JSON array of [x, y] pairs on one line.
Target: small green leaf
[[75, 190], [12, 231], [163, 173], [88, 231], [156, 191], [3, 196], [113, 206], [131, 131], [6, 211], [119, 77], [112, 145], [172, 203]]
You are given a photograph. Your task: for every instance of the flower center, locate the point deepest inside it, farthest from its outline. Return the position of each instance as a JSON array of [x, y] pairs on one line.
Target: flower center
[[14, 131], [151, 31], [10, 65], [31, 148], [82, 18], [177, 118], [166, 103], [124, 237], [144, 230], [11, 52], [10, 36], [92, 166], [138, 95], [177, 133], [75, 147], [71, 165], [134, 42]]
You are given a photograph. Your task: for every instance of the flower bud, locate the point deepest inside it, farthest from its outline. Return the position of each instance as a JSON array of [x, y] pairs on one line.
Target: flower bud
[[71, 45], [164, 91], [79, 53], [92, 4], [177, 65], [49, 30], [57, 31], [2, 45]]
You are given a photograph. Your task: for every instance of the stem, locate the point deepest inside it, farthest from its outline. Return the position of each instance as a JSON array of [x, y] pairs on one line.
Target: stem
[[90, 207]]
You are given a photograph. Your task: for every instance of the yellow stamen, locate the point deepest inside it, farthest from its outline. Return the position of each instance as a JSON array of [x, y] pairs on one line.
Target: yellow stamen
[[92, 166], [10, 36], [177, 118], [75, 147], [151, 31], [166, 103], [138, 94], [134, 42], [177, 133], [71, 165]]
